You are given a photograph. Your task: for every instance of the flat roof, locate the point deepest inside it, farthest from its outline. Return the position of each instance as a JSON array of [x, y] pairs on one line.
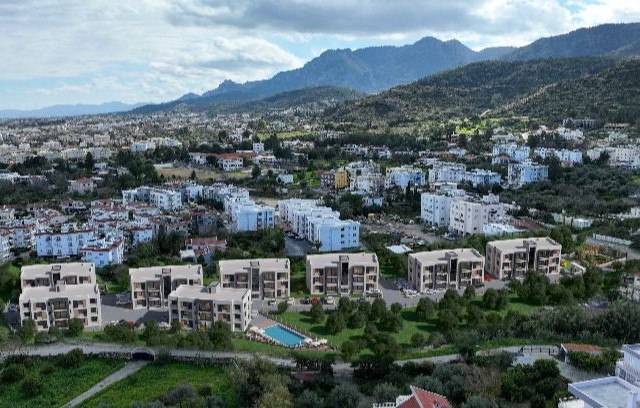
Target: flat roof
[[361, 258], [440, 256], [608, 392], [214, 293], [156, 272], [72, 268], [633, 349], [265, 264], [519, 244], [44, 293]]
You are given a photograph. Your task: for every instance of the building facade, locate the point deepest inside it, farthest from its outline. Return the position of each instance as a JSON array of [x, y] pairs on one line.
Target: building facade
[[342, 274], [266, 278], [52, 295], [457, 269], [150, 287], [512, 258], [520, 174], [65, 242], [468, 216]]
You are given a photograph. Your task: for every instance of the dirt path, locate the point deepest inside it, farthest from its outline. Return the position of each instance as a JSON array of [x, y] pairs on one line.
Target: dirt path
[[124, 372]]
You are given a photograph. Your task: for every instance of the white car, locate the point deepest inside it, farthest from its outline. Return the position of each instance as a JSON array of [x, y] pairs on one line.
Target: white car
[[290, 301], [329, 300]]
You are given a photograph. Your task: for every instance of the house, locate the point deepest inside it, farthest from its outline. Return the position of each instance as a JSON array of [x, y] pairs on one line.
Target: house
[[512, 258], [53, 294], [203, 222], [403, 177], [151, 286], [230, 161], [266, 278], [82, 185], [199, 307], [335, 180], [342, 274], [444, 269], [419, 398], [5, 249], [70, 206]]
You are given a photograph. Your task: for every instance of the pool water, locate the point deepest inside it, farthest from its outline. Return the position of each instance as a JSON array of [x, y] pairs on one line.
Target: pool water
[[283, 335]]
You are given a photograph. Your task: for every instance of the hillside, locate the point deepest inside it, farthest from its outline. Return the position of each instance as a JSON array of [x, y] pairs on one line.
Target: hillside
[[611, 96], [467, 91]]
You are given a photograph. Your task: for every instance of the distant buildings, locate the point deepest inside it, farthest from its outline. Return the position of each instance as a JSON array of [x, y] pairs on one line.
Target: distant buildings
[[457, 173], [507, 152], [342, 274], [457, 268], [335, 180], [103, 252], [266, 278], [81, 186], [520, 174], [64, 242], [404, 176], [249, 216], [162, 198], [54, 294], [468, 216], [510, 259]]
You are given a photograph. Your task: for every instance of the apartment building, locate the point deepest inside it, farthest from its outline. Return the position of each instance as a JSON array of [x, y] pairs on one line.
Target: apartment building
[[164, 199], [628, 368], [64, 242], [334, 180], [250, 216], [104, 251], [404, 176], [506, 152], [436, 207], [150, 287], [266, 278], [520, 174], [5, 249], [468, 216], [21, 235], [564, 155], [333, 234], [199, 307], [456, 268], [230, 161], [342, 274], [53, 294], [512, 258], [82, 186]]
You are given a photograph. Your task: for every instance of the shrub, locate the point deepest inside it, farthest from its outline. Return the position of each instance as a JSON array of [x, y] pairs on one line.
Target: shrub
[[76, 326], [71, 359], [13, 373], [31, 386], [418, 340]]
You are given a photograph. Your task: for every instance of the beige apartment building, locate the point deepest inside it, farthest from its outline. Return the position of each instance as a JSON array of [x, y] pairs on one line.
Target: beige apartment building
[[454, 268], [56, 293], [512, 258], [267, 278], [150, 287], [201, 306], [342, 274]]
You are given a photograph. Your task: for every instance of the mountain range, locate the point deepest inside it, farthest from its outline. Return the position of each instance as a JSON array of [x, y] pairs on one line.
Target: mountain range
[[69, 110]]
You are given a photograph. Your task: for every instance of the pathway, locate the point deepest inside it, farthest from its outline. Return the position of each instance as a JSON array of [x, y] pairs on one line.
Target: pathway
[[130, 368]]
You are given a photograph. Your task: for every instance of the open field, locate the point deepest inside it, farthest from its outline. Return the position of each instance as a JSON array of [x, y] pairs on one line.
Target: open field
[[58, 385], [153, 381], [201, 174]]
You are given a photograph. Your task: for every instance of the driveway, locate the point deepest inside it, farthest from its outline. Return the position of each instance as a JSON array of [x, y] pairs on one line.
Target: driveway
[[112, 312]]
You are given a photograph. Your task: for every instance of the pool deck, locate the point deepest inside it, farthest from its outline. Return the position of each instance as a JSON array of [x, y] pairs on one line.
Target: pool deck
[[262, 322]]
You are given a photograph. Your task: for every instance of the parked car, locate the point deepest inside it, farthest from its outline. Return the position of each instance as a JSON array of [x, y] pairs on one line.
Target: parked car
[[291, 301], [363, 299], [13, 308], [314, 300], [305, 300], [271, 302], [328, 300]]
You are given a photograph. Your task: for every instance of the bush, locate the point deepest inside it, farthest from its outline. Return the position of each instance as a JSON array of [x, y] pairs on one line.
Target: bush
[[426, 309], [13, 373], [72, 359], [27, 331], [31, 386], [418, 340], [335, 323], [179, 394], [76, 326], [282, 307]]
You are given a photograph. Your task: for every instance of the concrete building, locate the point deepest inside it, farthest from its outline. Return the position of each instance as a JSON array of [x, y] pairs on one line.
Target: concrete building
[[81, 186], [457, 269], [164, 199], [468, 216], [628, 368], [266, 278], [435, 207], [150, 287], [520, 174], [64, 242], [52, 295], [104, 251], [249, 216], [606, 392], [564, 155], [199, 307], [335, 179], [507, 152], [404, 176], [5, 249], [342, 274], [333, 234], [230, 161], [512, 258]]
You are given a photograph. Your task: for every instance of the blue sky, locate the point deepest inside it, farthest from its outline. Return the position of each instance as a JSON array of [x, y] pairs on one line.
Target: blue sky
[[79, 51]]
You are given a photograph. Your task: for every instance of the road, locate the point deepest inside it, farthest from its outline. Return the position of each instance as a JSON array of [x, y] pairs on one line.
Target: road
[[631, 253], [130, 368]]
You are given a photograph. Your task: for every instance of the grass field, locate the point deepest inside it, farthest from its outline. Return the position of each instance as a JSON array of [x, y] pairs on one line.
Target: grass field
[[201, 174], [59, 385], [153, 381]]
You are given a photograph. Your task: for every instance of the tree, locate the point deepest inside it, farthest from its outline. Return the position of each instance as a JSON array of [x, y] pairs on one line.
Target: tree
[[317, 313], [469, 293], [447, 320], [475, 316], [418, 340], [27, 331], [76, 326], [396, 308], [378, 309], [335, 323], [255, 171], [343, 396], [308, 399], [348, 348], [426, 309], [282, 306], [479, 402], [385, 392], [193, 176], [89, 162], [31, 385]]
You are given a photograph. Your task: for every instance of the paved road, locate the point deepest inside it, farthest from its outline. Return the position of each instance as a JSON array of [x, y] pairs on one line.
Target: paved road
[[631, 253], [130, 368]]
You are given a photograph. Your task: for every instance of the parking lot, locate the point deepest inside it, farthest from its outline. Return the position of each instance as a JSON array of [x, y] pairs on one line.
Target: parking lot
[[114, 313]]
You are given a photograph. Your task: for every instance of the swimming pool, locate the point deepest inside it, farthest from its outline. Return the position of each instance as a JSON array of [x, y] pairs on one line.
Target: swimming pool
[[284, 335]]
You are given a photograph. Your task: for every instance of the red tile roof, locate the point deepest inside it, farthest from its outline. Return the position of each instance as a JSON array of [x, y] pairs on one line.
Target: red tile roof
[[585, 348], [425, 399]]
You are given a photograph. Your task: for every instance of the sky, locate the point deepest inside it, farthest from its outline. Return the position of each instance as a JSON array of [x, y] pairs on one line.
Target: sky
[[94, 51]]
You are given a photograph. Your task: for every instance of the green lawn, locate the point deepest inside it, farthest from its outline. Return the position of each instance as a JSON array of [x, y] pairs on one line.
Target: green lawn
[[59, 385], [153, 381]]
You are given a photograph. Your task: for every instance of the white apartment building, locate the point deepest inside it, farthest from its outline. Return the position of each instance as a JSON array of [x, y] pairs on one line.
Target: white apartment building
[[21, 235], [150, 287], [435, 207], [520, 174], [512, 258], [457, 269], [404, 176], [479, 176], [258, 147], [65, 242], [624, 156], [457, 173], [56, 293], [199, 307], [164, 199], [252, 217], [230, 161], [468, 216], [342, 274], [7, 214], [266, 278], [83, 185], [511, 151], [141, 147], [564, 155], [103, 252], [5, 249], [333, 234]]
